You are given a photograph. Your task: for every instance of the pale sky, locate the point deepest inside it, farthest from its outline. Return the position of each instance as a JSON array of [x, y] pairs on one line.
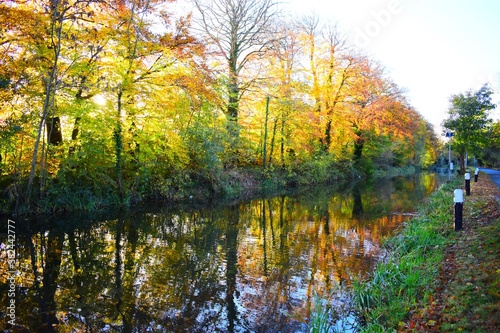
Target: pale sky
[[432, 48]]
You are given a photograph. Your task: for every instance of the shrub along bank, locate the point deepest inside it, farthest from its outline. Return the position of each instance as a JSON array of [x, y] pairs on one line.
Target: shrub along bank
[[234, 183]]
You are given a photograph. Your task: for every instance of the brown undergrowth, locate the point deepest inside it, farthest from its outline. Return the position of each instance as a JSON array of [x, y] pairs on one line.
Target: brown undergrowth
[[467, 297]]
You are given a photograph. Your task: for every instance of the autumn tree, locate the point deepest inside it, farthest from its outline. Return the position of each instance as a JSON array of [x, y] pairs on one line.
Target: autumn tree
[[469, 119], [36, 40], [282, 59], [381, 119], [410, 137], [133, 46], [239, 30], [366, 101], [337, 63], [330, 65], [110, 53], [17, 26], [430, 152], [310, 27], [278, 96], [149, 68]]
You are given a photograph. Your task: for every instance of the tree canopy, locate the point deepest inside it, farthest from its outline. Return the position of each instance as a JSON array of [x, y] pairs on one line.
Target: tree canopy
[[116, 102], [469, 119]]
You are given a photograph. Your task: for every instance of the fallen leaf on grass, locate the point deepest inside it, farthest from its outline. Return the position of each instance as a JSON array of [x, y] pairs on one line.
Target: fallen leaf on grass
[[431, 323]]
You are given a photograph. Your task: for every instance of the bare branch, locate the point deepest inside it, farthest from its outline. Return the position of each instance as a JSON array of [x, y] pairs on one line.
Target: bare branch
[[240, 30]]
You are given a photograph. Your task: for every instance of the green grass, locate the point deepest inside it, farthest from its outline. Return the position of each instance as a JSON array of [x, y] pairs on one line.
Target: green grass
[[321, 313], [334, 314], [401, 284]]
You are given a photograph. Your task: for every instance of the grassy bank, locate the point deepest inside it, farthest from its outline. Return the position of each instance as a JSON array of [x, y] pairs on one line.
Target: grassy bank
[[406, 279], [436, 279]]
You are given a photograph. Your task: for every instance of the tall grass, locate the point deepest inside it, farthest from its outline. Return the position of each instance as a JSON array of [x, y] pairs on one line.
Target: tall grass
[[402, 282], [334, 314], [321, 314]]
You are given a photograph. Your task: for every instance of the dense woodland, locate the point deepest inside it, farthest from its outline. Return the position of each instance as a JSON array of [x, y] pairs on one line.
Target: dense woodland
[[118, 102]]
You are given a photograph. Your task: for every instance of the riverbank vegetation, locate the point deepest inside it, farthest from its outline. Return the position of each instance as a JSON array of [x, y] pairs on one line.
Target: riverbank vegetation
[[406, 279], [434, 279], [116, 103]]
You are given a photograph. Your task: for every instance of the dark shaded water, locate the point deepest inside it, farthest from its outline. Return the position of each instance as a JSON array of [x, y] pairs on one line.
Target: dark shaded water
[[247, 267]]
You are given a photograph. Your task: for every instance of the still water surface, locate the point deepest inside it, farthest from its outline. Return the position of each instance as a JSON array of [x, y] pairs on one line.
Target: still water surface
[[246, 267]]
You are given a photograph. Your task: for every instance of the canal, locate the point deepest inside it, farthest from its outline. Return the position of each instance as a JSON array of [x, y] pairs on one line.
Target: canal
[[243, 267]]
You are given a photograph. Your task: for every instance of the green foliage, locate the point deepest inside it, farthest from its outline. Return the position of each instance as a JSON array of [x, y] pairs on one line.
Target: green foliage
[[468, 118], [84, 180], [205, 143], [322, 168]]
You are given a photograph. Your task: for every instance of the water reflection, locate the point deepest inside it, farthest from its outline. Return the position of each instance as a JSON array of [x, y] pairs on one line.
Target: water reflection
[[249, 267]]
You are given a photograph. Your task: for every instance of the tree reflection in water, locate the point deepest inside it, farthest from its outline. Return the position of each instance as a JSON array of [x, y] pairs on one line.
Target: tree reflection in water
[[248, 267]]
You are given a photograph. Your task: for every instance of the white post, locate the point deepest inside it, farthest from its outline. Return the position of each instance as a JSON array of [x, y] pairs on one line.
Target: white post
[[459, 204], [458, 196]]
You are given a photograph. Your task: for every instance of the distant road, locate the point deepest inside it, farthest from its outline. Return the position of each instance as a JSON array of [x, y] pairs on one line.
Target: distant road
[[494, 174]]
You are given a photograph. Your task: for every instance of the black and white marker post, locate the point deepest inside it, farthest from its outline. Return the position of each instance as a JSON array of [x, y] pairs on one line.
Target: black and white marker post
[[476, 174], [467, 183], [459, 205]]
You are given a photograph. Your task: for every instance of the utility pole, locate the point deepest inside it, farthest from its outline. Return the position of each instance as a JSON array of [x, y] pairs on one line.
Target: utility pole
[[449, 135]]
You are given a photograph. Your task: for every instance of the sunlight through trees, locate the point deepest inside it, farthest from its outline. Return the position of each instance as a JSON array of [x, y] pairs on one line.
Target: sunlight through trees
[[117, 102]]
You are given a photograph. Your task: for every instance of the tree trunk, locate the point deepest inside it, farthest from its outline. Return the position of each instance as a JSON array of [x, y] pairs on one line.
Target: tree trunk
[[328, 135], [50, 275], [34, 160], [49, 94], [118, 136], [54, 134], [233, 101], [461, 161], [264, 158], [271, 149], [358, 148], [74, 135]]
